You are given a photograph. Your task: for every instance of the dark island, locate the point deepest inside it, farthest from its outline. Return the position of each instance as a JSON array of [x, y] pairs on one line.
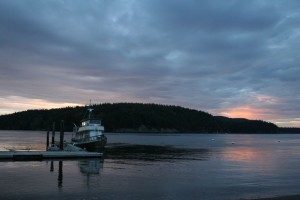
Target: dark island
[[139, 117]]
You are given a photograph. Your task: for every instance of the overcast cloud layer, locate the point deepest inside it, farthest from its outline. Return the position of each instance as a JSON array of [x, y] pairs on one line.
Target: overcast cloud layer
[[232, 58]]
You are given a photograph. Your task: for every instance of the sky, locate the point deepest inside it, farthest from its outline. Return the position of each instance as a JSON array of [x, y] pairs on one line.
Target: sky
[[232, 58]]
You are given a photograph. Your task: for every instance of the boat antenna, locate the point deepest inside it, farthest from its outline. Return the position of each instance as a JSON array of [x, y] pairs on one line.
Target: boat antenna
[[90, 109]]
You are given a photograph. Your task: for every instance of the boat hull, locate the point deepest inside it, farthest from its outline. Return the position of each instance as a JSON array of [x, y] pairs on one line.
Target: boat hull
[[92, 145]]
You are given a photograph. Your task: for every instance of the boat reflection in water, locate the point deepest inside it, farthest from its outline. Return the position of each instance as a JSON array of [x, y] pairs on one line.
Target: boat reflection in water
[[87, 167]]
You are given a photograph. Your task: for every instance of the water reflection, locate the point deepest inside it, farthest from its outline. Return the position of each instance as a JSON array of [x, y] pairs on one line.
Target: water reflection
[[247, 154], [260, 156], [259, 161], [255, 166], [60, 172], [154, 152], [87, 167]]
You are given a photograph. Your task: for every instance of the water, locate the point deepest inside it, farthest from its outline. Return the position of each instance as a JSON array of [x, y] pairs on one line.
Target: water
[[158, 166]]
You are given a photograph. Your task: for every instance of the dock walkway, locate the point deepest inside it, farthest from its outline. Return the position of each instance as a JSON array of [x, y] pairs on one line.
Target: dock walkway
[[43, 155]]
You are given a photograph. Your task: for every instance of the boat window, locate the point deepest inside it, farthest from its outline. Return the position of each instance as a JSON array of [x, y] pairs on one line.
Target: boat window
[[85, 123], [95, 121]]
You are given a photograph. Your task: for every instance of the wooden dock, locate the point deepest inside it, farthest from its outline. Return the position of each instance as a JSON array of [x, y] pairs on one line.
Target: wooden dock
[[44, 155]]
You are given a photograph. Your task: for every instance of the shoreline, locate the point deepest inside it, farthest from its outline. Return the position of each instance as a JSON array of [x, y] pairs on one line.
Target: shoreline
[[288, 197]]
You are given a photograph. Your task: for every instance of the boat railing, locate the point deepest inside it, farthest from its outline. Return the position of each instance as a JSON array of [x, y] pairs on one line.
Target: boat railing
[[86, 139], [94, 121]]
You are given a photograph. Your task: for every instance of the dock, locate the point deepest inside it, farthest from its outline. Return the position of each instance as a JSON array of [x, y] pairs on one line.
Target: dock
[[44, 155], [56, 150]]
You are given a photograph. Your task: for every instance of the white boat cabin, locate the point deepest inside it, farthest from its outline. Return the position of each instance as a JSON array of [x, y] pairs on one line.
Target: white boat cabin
[[91, 129]]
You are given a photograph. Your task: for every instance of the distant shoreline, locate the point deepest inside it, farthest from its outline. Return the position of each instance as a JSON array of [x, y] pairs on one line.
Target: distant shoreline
[[137, 132], [137, 117]]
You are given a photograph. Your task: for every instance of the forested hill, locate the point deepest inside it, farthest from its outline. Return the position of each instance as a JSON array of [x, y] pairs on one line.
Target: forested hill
[[136, 117]]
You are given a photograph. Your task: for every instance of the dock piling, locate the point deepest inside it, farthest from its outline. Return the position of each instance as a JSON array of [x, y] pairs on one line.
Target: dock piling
[[53, 134], [47, 141], [61, 138]]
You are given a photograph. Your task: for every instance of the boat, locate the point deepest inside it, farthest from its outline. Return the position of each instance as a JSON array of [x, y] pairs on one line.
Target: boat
[[89, 135]]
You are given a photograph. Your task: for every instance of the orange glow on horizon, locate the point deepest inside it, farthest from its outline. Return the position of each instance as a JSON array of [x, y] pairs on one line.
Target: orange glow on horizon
[[240, 112], [254, 113], [249, 112], [15, 104]]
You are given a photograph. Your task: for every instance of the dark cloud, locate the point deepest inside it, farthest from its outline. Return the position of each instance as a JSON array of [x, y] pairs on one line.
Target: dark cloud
[[211, 16], [209, 55]]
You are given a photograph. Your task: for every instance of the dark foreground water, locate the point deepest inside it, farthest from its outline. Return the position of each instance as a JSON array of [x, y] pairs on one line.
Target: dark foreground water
[[164, 166]]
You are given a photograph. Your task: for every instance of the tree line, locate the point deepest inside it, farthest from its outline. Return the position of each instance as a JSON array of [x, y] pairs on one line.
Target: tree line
[[136, 117]]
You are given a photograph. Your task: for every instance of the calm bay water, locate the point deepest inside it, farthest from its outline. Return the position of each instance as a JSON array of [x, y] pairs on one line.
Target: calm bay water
[[158, 166]]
